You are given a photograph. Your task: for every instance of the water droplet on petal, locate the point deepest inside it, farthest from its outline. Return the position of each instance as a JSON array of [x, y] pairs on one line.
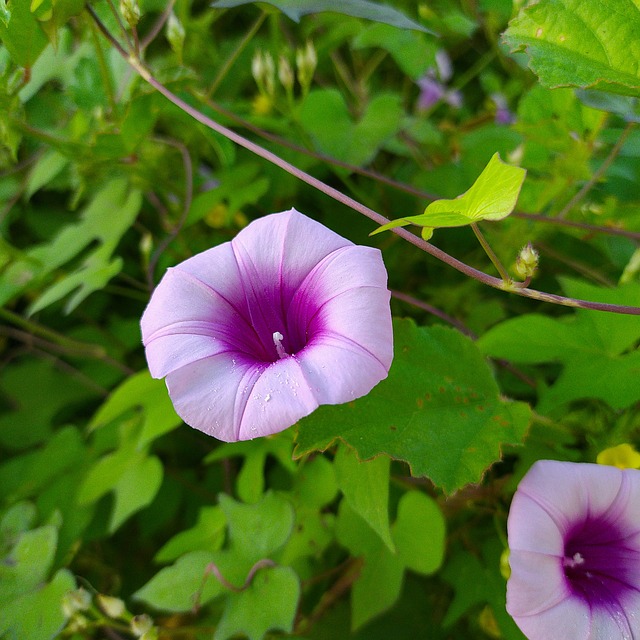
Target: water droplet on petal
[[267, 397]]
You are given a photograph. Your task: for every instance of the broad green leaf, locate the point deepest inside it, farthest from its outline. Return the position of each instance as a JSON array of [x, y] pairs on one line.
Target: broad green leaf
[[22, 34], [45, 170], [627, 107], [206, 535], [270, 602], [380, 580], [492, 196], [37, 615], [477, 580], [175, 588], [28, 563], [581, 44], [105, 474], [18, 518], [413, 52], [353, 142], [240, 185], [295, 9], [140, 392], [31, 422], [98, 267], [29, 474], [136, 489], [315, 483], [419, 533], [311, 535], [250, 482], [595, 348], [439, 410], [257, 530], [365, 486]]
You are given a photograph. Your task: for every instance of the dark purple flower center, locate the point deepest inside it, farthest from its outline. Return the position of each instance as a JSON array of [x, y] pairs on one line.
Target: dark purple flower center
[[274, 328], [598, 562]]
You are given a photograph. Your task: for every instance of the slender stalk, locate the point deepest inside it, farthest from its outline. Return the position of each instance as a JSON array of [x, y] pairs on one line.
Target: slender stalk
[[188, 197], [157, 27], [398, 295], [394, 184], [70, 346], [467, 270], [224, 69], [491, 253], [601, 170], [104, 70], [118, 17]]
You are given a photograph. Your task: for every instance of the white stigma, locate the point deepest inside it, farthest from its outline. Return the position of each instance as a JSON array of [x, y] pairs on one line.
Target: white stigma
[[575, 561], [277, 340]]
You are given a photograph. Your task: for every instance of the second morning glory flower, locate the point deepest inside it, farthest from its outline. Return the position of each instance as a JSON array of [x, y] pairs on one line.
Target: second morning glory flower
[[254, 334], [574, 539]]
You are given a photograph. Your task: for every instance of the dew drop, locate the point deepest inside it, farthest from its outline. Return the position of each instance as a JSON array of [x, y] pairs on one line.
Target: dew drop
[[267, 397]]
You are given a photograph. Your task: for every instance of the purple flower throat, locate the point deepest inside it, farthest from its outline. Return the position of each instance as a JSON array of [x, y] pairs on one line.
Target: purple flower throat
[[597, 562]]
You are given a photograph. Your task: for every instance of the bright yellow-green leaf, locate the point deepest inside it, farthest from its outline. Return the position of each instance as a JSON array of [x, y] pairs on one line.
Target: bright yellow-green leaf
[[492, 196]]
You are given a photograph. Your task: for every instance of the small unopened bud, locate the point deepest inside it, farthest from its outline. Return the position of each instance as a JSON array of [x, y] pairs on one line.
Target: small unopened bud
[[306, 62], [269, 74], [141, 624], [285, 73], [263, 70], [130, 10], [74, 601], [175, 34], [527, 262], [152, 634], [112, 607]]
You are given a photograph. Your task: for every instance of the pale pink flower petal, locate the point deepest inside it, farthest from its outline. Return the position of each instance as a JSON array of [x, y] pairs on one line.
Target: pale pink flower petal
[[574, 538], [254, 334]]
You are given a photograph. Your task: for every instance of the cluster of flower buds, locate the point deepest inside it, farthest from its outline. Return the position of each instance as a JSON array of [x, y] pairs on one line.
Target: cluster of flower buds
[[263, 69], [130, 10], [79, 608]]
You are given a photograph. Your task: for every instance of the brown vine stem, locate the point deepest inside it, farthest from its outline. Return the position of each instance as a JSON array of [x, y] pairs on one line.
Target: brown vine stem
[[425, 306], [491, 281], [600, 171], [395, 184], [212, 568]]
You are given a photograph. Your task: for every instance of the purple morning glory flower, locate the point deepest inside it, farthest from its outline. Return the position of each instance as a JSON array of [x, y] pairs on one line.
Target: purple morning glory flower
[[574, 536], [254, 334]]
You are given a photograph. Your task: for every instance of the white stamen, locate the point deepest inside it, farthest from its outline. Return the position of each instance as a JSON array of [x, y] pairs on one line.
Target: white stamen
[[575, 561], [277, 340]]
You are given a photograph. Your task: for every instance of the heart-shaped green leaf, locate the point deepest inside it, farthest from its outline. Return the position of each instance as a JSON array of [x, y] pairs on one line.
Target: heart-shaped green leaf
[[492, 196]]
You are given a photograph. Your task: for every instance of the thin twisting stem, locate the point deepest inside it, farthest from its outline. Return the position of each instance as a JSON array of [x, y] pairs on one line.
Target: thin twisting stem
[[598, 173], [496, 283], [491, 253]]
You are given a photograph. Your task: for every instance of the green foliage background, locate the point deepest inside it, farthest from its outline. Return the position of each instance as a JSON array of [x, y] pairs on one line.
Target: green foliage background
[[384, 517]]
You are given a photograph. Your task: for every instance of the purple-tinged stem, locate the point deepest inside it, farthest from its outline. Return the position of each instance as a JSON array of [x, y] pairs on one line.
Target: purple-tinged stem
[[496, 283]]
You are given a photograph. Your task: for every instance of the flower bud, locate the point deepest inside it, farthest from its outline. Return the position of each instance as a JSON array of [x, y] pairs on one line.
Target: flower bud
[[306, 62], [285, 73], [141, 624], [263, 70], [130, 10], [152, 634], [77, 600], [527, 261], [112, 607], [175, 34]]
